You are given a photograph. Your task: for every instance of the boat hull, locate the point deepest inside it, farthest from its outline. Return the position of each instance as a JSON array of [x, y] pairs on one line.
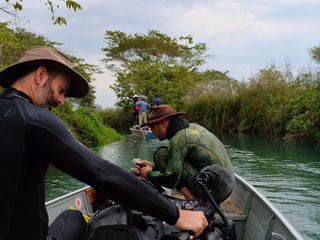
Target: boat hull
[[144, 134], [254, 216]]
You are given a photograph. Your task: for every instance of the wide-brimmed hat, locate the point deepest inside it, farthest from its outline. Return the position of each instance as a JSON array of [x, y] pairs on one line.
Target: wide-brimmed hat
[[160, 113], [48, 57]]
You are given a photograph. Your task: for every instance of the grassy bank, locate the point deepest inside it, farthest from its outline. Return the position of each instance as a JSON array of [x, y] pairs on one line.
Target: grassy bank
[[87, 125]]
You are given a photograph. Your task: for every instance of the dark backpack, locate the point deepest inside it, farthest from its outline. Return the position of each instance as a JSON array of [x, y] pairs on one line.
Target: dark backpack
[[117, 222]]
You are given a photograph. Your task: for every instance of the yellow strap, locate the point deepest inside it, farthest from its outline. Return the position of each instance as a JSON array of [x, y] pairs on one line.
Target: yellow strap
[[85, 216]]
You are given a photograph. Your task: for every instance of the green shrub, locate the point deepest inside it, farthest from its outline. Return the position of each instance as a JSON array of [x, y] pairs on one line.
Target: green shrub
[[120, 119], [305, 113], [270, 103], [86, 124]]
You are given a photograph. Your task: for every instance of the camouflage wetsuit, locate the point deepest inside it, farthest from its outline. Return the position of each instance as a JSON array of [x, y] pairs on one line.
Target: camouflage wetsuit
[[191, 149]]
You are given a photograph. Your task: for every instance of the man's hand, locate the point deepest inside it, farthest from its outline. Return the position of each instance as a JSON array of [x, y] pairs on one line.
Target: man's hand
[[142, 168], [143, 171], [194, 221], [144, 163]]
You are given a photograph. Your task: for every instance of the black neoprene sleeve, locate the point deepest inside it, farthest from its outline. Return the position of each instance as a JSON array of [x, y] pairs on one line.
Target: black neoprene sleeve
[[72, 157]]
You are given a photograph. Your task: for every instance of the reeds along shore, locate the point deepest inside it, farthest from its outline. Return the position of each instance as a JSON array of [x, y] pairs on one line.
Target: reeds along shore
[[278, 108]]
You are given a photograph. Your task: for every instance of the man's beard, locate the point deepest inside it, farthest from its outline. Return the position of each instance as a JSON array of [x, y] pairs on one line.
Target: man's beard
[[46, 96]]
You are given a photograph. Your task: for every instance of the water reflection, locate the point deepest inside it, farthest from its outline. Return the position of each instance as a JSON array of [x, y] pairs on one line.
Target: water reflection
[[122, 153], [286, 173]]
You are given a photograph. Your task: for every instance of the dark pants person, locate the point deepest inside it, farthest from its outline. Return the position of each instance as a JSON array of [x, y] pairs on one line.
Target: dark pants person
[[136, 116], [69, 225]]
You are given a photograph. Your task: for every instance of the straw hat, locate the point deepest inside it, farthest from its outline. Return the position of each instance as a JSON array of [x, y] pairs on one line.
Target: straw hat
[[50, 58], [160, 113]]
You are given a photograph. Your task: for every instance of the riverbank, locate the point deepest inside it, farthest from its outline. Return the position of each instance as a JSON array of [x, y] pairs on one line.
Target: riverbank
[[87, 125]]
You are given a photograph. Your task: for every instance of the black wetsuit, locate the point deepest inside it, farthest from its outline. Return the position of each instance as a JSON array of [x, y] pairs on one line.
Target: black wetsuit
[[31, 139]]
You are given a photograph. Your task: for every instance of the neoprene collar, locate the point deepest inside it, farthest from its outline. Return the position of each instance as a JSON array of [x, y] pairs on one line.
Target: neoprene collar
[[11, 92], [175, 125]]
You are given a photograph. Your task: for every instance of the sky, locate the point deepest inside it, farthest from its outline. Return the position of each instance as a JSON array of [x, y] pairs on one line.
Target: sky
[[242, 36]]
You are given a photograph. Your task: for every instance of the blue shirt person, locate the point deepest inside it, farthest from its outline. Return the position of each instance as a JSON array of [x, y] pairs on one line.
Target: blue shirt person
[[144, 106], [157, 101]]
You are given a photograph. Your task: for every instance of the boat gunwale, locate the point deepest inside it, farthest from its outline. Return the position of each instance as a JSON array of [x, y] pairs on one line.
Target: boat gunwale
[[52, 201], [267, 202]]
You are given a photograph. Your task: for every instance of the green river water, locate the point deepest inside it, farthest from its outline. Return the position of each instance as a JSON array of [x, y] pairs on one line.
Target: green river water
[[288, 174]]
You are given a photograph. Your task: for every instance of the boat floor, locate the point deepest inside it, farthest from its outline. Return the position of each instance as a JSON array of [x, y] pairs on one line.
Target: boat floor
[[232, 211], [229, 207]]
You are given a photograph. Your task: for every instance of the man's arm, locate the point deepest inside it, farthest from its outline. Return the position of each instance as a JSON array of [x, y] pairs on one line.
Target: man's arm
[[60, 148]]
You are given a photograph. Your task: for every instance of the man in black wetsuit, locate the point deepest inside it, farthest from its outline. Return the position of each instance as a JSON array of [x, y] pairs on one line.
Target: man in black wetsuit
[[32, 138]]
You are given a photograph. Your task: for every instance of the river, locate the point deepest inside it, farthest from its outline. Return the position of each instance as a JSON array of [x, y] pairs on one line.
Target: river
[[288, 174]]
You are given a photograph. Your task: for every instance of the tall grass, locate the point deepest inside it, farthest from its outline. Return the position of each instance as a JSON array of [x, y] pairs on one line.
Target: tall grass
[[270, 103], [215, 112]]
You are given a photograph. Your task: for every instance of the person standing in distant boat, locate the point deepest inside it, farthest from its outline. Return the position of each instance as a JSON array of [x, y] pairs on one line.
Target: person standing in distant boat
[[157, 100], [136, 109], [143, 108]]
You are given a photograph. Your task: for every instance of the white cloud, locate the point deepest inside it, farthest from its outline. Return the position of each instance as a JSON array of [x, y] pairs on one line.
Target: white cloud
[[237, 25]]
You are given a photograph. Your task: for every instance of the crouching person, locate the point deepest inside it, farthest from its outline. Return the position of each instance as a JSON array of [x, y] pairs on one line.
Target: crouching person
[[191, 148]]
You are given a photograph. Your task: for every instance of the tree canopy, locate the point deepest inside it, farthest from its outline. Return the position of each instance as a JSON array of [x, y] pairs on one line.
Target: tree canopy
[[315, 53], [152, 64]]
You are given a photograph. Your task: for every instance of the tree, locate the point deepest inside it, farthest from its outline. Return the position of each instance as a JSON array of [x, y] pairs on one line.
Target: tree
[[213, 81], [12, 7], [264, 102], [304, 104], [153, 64], [13, 43], [315, 54], [87, 71]]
